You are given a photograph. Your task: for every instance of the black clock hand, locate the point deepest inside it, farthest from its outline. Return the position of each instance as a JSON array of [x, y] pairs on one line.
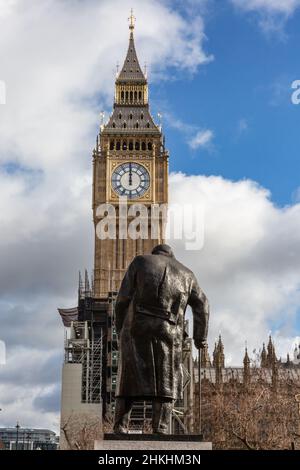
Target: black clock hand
[[130, 175]]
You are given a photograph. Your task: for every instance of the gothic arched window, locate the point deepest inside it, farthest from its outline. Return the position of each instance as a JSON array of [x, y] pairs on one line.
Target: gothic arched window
[[124, 147], [122, 95], [118, 145], [149, 145], [148, 124], [112, 145], [137, 125], [137, 145], [143, 145], [114, 124], [130, 145], [124, 125]]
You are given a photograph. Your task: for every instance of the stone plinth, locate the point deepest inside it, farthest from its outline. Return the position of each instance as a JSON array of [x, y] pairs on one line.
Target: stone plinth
[[152, 442]]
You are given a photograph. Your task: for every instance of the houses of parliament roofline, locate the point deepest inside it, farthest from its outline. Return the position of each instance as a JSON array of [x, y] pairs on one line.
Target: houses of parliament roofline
[[265, 359]]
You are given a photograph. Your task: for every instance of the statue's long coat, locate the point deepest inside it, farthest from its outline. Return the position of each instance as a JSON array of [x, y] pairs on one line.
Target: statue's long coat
[[150, 310]]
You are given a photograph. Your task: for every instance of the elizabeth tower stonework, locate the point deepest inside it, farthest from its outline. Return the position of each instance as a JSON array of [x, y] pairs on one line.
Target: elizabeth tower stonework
[[129, 161]]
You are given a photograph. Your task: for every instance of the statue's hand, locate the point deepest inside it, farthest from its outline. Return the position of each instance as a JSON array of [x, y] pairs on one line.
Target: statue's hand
[[200, 344]]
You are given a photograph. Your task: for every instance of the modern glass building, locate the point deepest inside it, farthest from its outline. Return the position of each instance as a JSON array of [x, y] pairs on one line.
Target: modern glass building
[[18, 438]]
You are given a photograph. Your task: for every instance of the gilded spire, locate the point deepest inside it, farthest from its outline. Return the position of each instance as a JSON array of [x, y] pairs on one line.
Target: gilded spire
[[131, 20]]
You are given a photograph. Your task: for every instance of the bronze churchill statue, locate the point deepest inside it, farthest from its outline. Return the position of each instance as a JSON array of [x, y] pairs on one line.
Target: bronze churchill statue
[[150, 309]]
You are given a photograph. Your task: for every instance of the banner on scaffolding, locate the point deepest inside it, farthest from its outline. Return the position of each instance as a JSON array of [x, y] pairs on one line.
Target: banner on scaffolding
[[68, 315]]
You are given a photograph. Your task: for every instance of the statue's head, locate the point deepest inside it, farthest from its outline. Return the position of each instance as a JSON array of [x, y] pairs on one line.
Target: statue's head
[[163, 250]]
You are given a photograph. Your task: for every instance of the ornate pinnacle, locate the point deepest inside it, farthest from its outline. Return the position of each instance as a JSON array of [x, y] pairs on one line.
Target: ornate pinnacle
[[131, 20]]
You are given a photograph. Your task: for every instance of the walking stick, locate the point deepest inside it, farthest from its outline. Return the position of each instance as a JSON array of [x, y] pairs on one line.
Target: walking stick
[[199, 384]]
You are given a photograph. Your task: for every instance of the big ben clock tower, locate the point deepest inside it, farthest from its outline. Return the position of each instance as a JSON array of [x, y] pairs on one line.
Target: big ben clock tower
[[129, 162]]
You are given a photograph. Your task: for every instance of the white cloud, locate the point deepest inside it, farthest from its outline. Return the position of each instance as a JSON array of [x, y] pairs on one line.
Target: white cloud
[[28, 376], [2, 92], [203, 138], [272, 13], [194, 136], [250, 263], [271, 6], [6, 7]]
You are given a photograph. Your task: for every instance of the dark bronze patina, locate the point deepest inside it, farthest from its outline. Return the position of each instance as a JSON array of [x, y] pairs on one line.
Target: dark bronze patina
[[150, 311]]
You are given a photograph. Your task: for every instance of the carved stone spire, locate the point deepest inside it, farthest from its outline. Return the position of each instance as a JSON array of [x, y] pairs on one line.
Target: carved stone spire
[[215, 355], [274, 374], [219, 361], [246, 371], [271, 356], [218, 354], [221, 354], [205, 359], [263, 357], [131, 105], [131, 70]]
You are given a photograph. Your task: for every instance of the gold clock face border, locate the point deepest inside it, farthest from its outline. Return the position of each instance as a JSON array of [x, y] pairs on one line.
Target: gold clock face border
[[148, 167]]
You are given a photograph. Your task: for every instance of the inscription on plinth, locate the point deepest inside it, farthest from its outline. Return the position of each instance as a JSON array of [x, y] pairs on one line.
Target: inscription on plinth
[[152, 442]]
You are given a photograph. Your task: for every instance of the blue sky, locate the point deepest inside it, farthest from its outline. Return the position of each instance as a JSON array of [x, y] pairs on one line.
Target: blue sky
[[244, 96]]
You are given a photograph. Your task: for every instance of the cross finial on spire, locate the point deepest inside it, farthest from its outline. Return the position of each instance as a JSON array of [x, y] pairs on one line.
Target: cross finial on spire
[[131, 20]]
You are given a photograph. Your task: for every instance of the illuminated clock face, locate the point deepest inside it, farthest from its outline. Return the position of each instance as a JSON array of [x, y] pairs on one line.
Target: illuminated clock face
[[131, 180]]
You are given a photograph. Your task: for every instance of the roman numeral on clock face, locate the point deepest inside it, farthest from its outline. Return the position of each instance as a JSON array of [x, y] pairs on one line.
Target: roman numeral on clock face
[[131, 180]]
